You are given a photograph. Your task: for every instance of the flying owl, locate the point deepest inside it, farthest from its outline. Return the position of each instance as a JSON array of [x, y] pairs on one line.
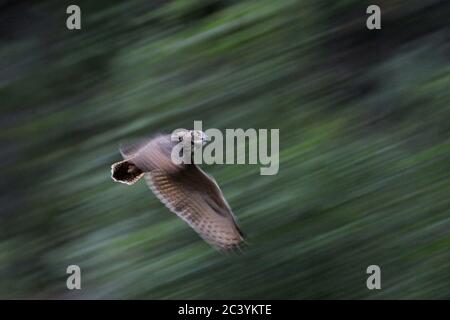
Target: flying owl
[[184, 188]]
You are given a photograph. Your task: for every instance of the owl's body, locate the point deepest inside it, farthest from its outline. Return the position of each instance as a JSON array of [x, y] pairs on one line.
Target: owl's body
[[183, 188]]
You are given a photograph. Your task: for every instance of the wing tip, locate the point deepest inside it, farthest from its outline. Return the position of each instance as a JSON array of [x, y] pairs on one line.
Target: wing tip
[[117, 174], [232, 248]]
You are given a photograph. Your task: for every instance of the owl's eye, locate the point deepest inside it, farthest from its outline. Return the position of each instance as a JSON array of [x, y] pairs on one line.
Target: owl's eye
[[180, 138]]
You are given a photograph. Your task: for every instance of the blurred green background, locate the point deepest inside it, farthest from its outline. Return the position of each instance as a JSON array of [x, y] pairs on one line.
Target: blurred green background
[[364, 147]]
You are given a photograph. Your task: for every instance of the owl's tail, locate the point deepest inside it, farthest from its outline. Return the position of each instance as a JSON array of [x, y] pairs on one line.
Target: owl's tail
[[125, 172]]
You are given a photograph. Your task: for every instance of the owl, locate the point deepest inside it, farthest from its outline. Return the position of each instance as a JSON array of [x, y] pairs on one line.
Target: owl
[[183, 188]]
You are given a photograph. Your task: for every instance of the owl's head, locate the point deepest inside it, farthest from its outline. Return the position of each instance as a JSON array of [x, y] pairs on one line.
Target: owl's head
[[196, 137]]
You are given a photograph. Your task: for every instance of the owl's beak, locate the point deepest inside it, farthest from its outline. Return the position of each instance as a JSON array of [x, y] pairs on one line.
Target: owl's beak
[[205, 139]]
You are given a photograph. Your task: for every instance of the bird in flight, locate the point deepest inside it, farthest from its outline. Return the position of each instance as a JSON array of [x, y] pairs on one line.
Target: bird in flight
[[184, 188]]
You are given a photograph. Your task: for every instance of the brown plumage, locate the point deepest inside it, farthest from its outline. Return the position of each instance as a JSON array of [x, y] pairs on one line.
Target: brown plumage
[[184, 189]]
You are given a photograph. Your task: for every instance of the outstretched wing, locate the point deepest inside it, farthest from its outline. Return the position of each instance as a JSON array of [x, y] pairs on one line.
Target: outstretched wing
[[151, 154], [130, 149], [195, 197]]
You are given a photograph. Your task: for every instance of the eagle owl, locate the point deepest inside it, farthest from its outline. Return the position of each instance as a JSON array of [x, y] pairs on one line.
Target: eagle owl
[[184, 188]]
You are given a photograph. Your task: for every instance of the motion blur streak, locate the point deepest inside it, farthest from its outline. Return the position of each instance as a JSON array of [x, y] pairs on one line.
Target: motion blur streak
[[364, 147]]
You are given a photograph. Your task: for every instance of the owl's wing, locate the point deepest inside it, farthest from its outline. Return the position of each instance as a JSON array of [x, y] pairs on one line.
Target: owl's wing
[[151, 154], [131, 148], [195, 197]]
